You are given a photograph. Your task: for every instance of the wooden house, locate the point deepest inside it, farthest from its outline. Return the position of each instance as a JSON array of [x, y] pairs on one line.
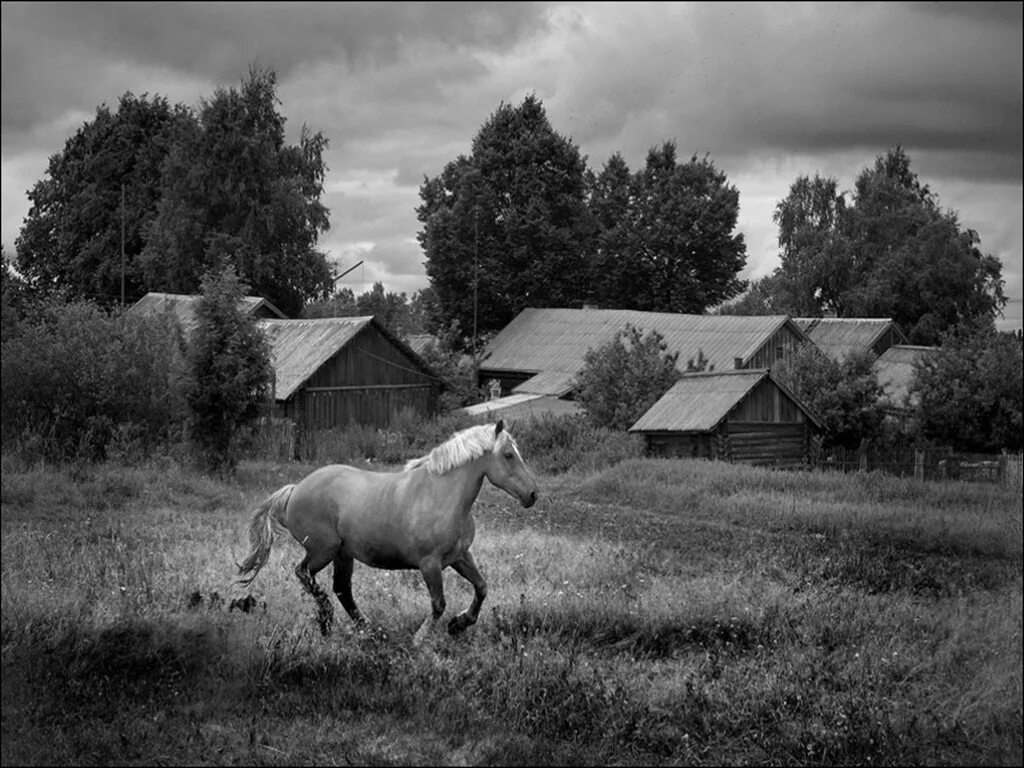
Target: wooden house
[[184, 307], [839, 336], [542, 350], [336, 371], [739, 415]]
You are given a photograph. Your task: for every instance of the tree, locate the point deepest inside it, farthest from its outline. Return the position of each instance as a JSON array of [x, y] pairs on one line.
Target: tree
[[970, 393], [894, 252], [392, 309], [668, 245], [814, 248], [15, 298], [845, 395], [233, 190], [232, 377], [78, 381], [71, 238], [621, 379], [508, 226]]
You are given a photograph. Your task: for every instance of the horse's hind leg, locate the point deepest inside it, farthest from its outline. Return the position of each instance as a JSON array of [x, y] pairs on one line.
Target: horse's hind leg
[[431, 570], [307, 571], [466, 568], [343, 565]]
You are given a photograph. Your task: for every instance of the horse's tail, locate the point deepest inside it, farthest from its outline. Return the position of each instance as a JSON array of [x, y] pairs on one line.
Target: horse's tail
[[261, 532]]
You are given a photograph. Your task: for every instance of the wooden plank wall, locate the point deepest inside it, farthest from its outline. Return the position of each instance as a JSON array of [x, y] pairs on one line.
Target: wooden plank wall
[[367, 382], [775, 349]]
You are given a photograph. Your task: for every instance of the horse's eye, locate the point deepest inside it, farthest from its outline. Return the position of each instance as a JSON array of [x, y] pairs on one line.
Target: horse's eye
[[508, 455]]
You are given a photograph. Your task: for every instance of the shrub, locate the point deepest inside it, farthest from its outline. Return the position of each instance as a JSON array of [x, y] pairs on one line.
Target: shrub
[[78, 382], [623, 378], [845, 396], [970, 394], [556, 444]]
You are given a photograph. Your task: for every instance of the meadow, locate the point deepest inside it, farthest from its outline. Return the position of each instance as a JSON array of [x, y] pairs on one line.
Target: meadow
[[651, 612]]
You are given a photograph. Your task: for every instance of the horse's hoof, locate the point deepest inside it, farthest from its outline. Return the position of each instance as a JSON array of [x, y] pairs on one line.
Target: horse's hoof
[[457, 625]]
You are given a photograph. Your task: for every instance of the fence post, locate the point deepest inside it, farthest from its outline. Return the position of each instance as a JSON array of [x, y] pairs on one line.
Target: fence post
[[863, 454], [919, 464], [1001, 472]]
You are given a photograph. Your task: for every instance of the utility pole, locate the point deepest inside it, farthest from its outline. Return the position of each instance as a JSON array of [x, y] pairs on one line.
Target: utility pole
[[122, 245], [476, 269]]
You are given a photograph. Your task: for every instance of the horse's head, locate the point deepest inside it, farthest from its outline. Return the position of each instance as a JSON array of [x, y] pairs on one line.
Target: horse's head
[[507, 470]]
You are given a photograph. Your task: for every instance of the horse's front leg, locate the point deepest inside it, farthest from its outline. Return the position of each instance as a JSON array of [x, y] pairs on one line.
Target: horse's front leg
[[431, 570], [466, 568]]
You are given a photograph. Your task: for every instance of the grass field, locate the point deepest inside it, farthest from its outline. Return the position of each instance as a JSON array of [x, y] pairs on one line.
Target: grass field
[[664, 612]]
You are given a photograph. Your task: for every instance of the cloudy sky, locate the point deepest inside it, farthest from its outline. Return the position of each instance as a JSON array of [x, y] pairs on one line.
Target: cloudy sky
[[769, 90]]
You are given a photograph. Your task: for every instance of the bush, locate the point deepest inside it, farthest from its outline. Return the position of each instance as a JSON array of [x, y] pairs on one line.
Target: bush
[[623, 378], [970, 394], [79, 383], [845, 396], [557, 444]]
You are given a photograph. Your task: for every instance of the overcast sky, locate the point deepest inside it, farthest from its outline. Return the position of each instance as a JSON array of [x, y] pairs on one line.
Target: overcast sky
[[769, 90]]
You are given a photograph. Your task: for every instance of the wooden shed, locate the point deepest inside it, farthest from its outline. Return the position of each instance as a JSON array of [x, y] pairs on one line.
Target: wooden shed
[[542, 349], [336, 371], [744, 415], [839, 336]]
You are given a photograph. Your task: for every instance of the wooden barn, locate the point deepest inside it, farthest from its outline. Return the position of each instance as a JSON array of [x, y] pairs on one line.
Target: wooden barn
[[185, 306], [336, 371], [839, 336], [740, 415], [541, 350]]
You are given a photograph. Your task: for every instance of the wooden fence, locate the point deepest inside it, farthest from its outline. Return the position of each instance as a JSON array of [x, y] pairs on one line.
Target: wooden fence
[[926, 464]]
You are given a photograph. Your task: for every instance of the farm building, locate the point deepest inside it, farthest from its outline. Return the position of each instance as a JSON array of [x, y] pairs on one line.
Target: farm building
[[541, 350], [184, 307], [839, 336], [523, 406], [895, 370], [333, 371], [740, 415]]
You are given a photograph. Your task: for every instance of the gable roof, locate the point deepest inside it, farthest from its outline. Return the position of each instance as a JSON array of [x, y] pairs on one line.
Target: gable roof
[[895, 370], [839, 336], [699, 401], [523, 405], [300, 347], [185, 307], [557, 339], [558, 383]]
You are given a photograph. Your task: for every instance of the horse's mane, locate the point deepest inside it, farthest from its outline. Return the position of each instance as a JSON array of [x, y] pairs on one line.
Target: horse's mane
[[461, 448]]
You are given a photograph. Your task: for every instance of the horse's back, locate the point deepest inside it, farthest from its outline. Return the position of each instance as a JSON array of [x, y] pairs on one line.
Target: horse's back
[[339, 505]]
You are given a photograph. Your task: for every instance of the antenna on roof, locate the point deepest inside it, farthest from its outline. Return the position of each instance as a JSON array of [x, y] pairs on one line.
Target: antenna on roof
[[338, 277]]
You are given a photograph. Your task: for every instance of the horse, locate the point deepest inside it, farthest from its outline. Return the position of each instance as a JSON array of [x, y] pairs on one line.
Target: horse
[[417, 518]]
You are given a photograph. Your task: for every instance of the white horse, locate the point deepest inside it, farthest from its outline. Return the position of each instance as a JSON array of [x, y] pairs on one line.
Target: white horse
[[420, 518]]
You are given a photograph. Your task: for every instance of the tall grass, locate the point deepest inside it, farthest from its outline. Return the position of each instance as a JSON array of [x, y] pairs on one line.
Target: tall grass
[[650, 612]]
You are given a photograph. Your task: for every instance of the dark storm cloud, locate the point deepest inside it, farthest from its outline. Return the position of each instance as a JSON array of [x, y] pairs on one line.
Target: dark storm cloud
[[216, 42], [764, 79]]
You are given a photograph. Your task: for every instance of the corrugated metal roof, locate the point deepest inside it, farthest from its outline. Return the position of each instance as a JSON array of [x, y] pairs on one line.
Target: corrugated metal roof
[[523, 406], [698, 401], [558, 383], [300, 347], [839, 336], [895, 370], [185, 306], [557, 339], [418, 342]]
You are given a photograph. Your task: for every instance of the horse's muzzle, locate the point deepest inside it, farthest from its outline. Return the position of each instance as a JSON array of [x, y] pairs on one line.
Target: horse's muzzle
[[530, 500]]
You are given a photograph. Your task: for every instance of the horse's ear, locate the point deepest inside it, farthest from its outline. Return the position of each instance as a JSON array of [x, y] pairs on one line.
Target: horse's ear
[[498, 427]]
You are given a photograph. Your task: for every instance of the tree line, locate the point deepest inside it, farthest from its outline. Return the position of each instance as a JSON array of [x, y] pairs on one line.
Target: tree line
[[521, 220]]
